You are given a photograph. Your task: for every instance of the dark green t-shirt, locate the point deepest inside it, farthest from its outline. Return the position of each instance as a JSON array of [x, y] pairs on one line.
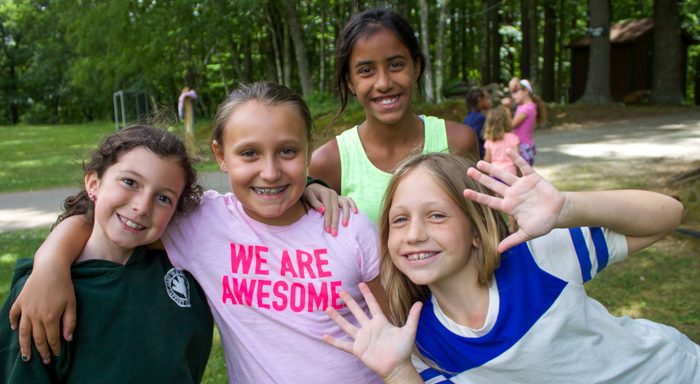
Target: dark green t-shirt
[[142, 322]]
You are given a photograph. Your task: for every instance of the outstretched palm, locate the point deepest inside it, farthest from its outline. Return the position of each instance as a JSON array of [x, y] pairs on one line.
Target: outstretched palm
[[380, 345], [534, 203]]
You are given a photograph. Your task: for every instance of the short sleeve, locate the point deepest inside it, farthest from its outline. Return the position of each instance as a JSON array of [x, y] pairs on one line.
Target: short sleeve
[[578, 254]]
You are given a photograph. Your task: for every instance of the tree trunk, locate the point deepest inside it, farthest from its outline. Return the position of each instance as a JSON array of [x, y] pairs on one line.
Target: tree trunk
[[598, 79], [666, 83], [532, 36], [425, 44], [496, 41], [525, 47], [276, 41], [299, 47], [550, 31], [440, 54], [322, 49], [560, 53]]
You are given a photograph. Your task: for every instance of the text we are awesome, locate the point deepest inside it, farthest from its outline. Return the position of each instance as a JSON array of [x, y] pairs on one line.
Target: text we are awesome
[[300, 282]]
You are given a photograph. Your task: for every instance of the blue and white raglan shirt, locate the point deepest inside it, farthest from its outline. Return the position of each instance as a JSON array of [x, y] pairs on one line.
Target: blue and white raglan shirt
[[541, 327]]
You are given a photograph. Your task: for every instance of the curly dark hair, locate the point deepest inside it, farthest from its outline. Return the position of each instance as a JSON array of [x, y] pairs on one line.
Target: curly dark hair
[[158, 141]]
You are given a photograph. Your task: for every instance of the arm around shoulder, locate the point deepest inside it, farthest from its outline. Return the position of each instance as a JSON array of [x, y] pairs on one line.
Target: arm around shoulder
[[462, 140], [325, 164]]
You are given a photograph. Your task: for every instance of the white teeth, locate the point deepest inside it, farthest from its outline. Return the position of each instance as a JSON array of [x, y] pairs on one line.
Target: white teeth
[[419, 256], [130, 223], [268, 191], [388, 101]]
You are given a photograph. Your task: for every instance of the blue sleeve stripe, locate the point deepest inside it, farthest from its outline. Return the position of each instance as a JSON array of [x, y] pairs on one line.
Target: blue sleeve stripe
[[581, 252], [601, 247], [429, 374]]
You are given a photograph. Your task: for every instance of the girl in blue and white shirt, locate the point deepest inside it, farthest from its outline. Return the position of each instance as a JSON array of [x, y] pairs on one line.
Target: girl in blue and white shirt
[[499, 308]]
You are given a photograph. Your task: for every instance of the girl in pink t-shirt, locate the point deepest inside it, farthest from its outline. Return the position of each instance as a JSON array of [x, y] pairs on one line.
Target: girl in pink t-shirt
[[264, 258], [498, 137], [528, 114]]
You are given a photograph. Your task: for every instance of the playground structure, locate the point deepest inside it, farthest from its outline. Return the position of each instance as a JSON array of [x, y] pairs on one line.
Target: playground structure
[[129, 106]]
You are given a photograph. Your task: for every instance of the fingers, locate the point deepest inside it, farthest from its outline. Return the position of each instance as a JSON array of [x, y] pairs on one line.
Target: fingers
[[355, 308], [333, 215], [42, 346], [53, 338], [344, 345], [25, 342], [525, 168], [69, 320], [15, 313], [484, 199], [413, 316], [343, 323], [347, 204], [503, 176], [512, 240], [487, 181], [374, 308]]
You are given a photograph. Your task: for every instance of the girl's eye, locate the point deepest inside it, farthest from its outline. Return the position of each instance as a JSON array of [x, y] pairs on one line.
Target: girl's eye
[[288, 152], [164, 199], [364, 70], [437, 216], [129, 182], [248, 153], [397, 65], [398, 220]]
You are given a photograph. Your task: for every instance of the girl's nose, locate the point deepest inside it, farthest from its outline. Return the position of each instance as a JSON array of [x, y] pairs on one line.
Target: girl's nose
[[142, 205], [416, 232], [270, 170], [384, 81]]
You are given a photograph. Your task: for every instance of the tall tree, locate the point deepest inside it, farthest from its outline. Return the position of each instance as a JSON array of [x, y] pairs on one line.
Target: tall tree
[[525, 47], [440, 51], [667, 71], [425, 45], [548, 51], [299, 47], [597, 89], [532, 42]]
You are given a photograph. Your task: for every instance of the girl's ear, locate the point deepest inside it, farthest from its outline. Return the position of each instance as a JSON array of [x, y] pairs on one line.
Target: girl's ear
[[218, 154], [417, 66], [476, 240], [92, 183], [351, 87]]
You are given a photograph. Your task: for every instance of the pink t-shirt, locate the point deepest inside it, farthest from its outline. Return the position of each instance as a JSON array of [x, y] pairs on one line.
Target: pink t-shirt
[[527, 127], [268, 286], [497, 149]]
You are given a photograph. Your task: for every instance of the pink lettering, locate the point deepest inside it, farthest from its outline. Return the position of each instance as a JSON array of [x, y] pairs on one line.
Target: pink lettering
[[318, 299], [320, 262], [296, 299], [262, 294], [227, 294], [286, 265], [243, 290], [260, 261], [241, 257], [304, 261], [280, 291], [335, 295]]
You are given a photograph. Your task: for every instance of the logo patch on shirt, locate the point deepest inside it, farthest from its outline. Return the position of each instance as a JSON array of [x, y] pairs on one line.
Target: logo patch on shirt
[[178, 287]]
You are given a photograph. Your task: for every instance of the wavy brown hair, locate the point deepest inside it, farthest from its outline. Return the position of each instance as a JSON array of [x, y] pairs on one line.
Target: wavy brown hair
[[162, 143]]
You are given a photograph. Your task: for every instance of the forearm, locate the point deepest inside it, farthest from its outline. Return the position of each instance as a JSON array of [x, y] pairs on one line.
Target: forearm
[[644, 215], [64, 244]]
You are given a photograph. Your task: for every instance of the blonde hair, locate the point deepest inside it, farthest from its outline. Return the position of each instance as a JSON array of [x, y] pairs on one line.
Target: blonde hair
[[497, 123], [450, 173]]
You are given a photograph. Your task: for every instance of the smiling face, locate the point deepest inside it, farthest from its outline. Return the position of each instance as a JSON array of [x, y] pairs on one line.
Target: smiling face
[[383, 76], [265, 152], [135, 200], [430, 239]]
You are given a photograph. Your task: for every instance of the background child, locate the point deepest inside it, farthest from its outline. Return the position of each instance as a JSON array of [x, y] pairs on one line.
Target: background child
[[134, 328], [478, 103], [378, 60], [521, 316], [263, 258], [499, 137], [529, 112]]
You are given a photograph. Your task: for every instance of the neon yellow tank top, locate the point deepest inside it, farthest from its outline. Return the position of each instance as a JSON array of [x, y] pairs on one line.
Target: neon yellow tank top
[[364, 182]]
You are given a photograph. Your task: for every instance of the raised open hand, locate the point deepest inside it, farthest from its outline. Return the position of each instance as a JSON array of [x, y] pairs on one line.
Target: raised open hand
[[534, 203], [381, 346]]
